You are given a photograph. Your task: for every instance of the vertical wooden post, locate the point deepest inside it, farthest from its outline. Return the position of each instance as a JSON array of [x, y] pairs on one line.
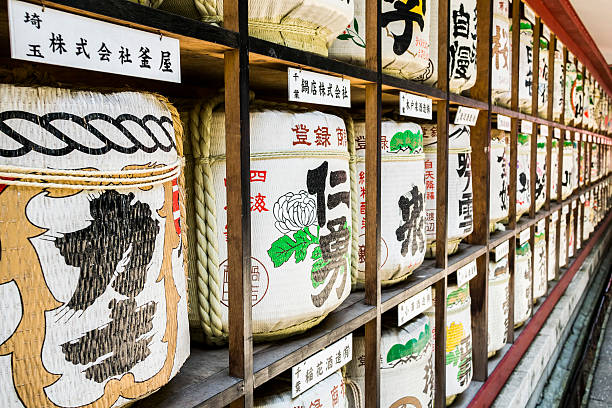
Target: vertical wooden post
[[559, 174], [237, 146], [373, 161], [537, 28]]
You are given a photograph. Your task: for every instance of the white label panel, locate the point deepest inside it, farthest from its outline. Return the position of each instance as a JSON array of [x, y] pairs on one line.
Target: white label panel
[[557, 133], [466, 116], [526, 127], [465, 273], [321, 365], [413, 306], [544, 130], [524, 235], [555, 216], [504, 123], [501, 250], [59, 38], [415, 106], [321, 89]]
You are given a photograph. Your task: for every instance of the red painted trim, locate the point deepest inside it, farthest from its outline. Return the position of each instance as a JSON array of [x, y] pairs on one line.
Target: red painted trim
[[498, 378], [562, 19]]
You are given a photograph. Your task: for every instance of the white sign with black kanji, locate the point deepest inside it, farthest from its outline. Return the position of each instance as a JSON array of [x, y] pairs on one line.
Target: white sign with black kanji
[[466, 116], [415, 106], [49, 36], [504, 123], [321, 89], [502, 250], [466, 273], [413, 306]]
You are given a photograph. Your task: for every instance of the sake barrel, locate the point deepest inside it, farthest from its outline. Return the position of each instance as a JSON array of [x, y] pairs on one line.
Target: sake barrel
[[540, 187], [460, 219], [525, 65], [571, 76], [462, 52], [301, 220], [587, 111], [563, 241], [522, 284], [500, 51], [308, 26], [554, 171], [499, 305], [581, 149], [406, 365], [558, 81], [540, 272], [523, 175], [595, 166], [570, 241], [575, 167], [568, 169], [543, 71], [458, 339], [500, 177], [402, 229], [552, 242], [92, 281], [330, 392], [405, 37], [577, 95]]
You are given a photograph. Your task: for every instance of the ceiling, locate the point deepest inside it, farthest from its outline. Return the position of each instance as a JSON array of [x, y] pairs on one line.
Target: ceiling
[[595, 15]]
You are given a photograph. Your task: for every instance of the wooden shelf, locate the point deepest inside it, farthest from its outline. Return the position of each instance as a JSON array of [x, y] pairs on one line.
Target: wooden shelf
[[424, 276]]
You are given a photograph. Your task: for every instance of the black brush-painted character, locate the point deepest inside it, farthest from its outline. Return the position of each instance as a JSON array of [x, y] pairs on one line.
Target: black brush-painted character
[[402, 13], [410, 233], [523, 182], [114, 250]]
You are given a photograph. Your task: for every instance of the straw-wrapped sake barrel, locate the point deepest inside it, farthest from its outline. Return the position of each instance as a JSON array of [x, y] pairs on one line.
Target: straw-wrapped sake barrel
[[540, 272], [582, 154], [523, 175], [458, 340], [587, 112], [558, 81], [402, 226], [563, 240], [540, 187], [571, 247], [305, 25], [499, 304], [568, 169], [543, 72], [460, 211], [405, 37], [462, 53], [92, 280], [406, 365], [500, 52], [552, 242], [595, 165], [525, 65], [500, 177], [554, 171], [330, 392], [571, 77], [301, 219], [522, 284], [576, 95], [576, 173]]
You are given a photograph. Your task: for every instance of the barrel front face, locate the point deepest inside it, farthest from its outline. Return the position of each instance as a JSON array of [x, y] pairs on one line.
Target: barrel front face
[[554, 169], [500, 176], [540, 192], [405, 37], [458, 340], [402, 199], [301, 219], [500, 53], [499, 304], [523, 175], [92, 277], [558, 81], [522, 285], [539, 262], [526, 65], [552, 239]]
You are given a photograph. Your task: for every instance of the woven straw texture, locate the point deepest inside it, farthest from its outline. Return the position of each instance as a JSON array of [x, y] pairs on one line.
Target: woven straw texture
[[301, 219], [402, 200], [406, 368], [92, 278], [460, 220], [499, 304], [330, 392], [523, 176], [540, 192], [306, 25], [500, 177], [522, 285], [405, 40], [501, 55]]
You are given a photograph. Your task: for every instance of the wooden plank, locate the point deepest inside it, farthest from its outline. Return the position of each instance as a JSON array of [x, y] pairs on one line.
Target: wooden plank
[[467, 101], [534, 112], [393, 82], [423, 277], [479, 293], [238, 164], [440, 340], [466, 254], [498, 237]]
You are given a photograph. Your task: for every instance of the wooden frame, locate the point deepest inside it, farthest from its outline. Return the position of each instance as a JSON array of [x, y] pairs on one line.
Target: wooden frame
[[240, 59]]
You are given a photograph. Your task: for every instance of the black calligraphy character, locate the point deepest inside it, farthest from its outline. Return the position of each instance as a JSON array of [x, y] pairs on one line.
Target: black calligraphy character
[[80, 48], [145, 57], [334, 247], [523, 182], [403, 12], [33, 18], [465, 360], [529, 77], [57, 43], [410, 233], [125, 56], [465, 168], [503, 194], [104, 53], [465, 210], [166, 63], [461, 57], [305, 86], [115, 250], [461, 23], [34, 51], [315, 181]]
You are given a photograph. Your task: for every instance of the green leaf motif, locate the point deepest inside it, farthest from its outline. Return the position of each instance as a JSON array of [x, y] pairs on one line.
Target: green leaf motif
[[316, 253], [345, 37], [407, 140], [412, 347], [356, 25], [281, 250], [453, 357]]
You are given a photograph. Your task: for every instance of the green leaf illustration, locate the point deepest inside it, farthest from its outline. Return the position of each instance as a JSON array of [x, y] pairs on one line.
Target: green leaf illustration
[[281, 250], [316, 254], [406, 140], [356, 25], [412, 347], [345, 36]]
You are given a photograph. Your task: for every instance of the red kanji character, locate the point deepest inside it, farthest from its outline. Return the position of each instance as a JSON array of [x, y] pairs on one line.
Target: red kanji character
[[258, 175], [429, 185], [362, 208], [341, 136], [301, 135], [363, 224], [342, 387], [360, 142], [334, 395], [225, 233], [428, 164], [259, 204], [362, 193], [362, 177], [316, 403], [322, 136], [429, 174], [430, 195], [384, 144], [361, 253]]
